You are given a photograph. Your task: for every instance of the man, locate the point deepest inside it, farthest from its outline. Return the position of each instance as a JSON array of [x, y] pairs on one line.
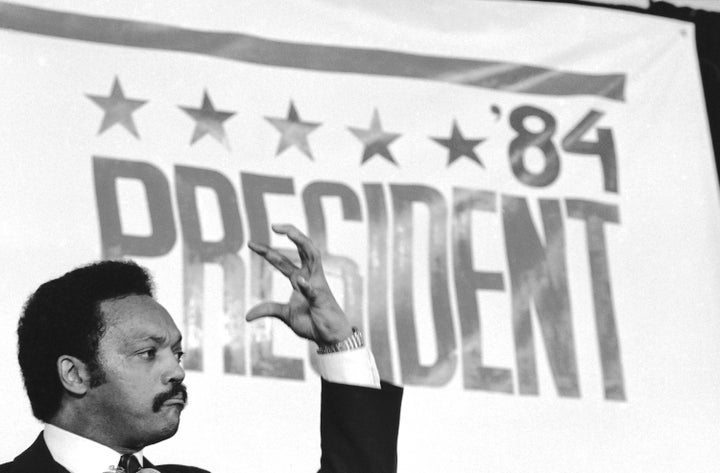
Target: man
[[101, 361]]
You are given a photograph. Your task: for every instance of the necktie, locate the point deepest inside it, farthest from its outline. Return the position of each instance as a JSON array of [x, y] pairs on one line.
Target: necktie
[[129, 463]]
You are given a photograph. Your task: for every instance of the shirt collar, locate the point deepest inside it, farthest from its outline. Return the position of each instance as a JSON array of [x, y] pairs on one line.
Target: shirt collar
[[79, 454]]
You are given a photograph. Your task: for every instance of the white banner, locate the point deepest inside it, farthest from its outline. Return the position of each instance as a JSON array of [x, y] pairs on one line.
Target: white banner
[[517, 203]]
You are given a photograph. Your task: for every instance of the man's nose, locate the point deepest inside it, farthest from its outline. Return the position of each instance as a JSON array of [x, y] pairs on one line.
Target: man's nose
[[175, 372]]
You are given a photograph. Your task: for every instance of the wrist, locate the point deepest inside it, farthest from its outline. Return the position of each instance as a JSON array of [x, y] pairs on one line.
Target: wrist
[[337, 334], [353, 341]]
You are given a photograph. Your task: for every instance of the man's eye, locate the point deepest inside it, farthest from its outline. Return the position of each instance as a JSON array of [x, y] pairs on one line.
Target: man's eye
[[148, 354], [179, 355]]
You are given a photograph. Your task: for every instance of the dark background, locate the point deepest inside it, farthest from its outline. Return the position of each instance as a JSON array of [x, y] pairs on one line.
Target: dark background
[[707, 35]]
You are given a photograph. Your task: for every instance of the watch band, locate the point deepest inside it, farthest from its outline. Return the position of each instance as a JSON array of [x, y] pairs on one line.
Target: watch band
[[351, 343]]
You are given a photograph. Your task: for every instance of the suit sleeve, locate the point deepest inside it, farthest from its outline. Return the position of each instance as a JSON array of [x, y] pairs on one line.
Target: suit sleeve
[[359, 428]]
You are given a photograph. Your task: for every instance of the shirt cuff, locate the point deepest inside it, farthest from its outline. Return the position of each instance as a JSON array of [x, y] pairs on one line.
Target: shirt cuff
[[356, 367]]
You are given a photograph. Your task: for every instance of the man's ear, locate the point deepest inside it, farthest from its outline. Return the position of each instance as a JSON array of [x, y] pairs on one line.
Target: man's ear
[[74, 374]]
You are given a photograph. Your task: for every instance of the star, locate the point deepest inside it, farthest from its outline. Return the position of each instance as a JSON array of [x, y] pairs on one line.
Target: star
[[294, 131], [459, 146], [117, 108], [208, 121], [376, 141]]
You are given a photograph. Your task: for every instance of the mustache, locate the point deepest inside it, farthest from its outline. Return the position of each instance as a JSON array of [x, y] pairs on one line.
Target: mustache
[[161, 398]]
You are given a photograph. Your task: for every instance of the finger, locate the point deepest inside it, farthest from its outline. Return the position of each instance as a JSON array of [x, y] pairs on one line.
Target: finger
[[268, 309], [309, 254], [274, 257]]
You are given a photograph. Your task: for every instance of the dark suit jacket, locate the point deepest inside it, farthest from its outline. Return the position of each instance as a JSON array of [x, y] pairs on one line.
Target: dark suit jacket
[[37, 459], [358, 428]]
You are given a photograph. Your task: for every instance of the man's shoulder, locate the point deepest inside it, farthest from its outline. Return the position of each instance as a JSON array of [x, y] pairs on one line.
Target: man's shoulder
[[9, 468], [175, 469], [36, 458]]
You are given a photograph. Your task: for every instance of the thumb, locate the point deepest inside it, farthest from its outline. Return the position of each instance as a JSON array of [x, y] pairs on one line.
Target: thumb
[[268, 309]]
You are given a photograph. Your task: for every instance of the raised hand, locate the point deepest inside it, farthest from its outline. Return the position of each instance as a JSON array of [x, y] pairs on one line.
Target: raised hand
[[312, 311]]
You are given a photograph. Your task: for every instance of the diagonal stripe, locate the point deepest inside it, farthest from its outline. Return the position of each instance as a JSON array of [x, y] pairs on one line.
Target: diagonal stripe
[[517, 78]]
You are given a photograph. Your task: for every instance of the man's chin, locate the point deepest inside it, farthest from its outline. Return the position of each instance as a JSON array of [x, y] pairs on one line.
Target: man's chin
[[170, 412], [169, 429]]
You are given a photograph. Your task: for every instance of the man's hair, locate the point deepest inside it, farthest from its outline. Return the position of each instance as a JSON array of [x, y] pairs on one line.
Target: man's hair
[[63, 317]]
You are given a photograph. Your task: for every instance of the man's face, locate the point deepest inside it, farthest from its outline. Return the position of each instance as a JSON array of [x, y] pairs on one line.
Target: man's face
[[141, 399]]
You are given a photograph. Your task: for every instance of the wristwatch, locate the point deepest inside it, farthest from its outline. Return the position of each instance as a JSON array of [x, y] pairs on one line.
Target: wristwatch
[[351, 343]]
